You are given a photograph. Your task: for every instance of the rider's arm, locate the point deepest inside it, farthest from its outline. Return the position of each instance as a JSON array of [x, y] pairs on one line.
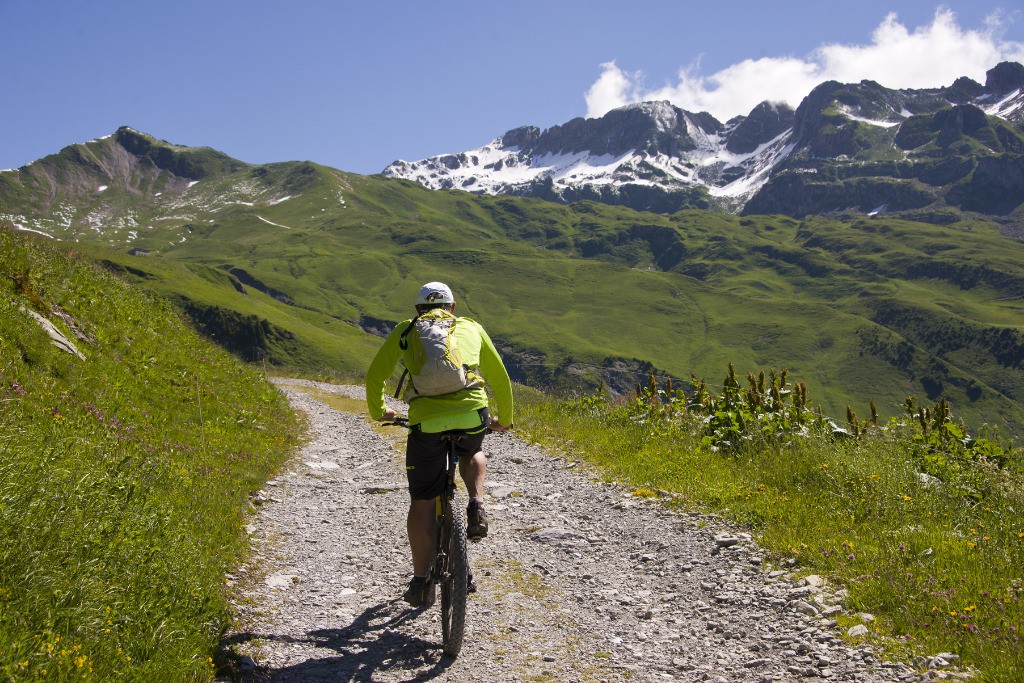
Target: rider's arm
[[381, 368], [497, 377]]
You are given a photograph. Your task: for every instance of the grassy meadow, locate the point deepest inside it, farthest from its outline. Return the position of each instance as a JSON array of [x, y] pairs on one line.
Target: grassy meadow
[[573, 294], [124, 475], [300, 265], [917, 518]]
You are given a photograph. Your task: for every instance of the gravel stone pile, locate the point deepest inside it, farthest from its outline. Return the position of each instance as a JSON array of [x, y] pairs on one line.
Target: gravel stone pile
[[578, 580]]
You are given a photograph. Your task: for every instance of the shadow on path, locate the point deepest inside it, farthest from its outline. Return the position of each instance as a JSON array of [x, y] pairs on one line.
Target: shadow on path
[[371, 643]]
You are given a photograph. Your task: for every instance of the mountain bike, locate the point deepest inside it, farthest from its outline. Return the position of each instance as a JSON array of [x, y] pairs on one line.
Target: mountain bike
[[448, 567]]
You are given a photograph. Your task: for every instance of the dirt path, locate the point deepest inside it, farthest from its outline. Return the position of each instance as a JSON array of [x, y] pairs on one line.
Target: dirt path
[[578, 581]]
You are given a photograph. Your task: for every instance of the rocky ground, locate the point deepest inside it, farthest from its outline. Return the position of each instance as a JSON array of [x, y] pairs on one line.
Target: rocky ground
[[578, 580]]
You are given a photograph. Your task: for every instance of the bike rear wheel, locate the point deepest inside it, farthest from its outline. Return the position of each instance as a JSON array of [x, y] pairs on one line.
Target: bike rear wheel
[[454, 581]]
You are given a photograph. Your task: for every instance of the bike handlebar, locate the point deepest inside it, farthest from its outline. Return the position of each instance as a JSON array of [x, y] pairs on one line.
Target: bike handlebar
[[399, 421]]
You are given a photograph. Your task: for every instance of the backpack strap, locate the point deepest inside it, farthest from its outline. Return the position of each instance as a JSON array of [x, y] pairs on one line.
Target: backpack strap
[[403, 344], [401, 381]]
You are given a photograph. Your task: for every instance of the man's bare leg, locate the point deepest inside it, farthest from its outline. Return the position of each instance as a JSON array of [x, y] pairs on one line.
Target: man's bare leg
[[473, 471], [420, 525]]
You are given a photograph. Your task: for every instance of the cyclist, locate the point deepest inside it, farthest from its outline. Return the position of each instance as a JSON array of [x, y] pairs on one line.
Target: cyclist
[[463, 413]]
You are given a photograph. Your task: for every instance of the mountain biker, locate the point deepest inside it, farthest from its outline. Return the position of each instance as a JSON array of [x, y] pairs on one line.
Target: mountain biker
[[463, 413]]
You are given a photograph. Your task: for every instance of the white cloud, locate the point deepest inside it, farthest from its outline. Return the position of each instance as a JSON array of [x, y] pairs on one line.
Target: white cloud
[[929, 56], [613, 88]]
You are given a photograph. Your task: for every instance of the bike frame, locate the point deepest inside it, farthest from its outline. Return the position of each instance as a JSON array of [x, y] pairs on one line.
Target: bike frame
[[448, 565]]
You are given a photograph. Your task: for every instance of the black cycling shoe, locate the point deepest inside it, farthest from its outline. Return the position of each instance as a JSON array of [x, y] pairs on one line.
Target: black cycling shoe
[[420, 593], [471, 585], [476, 527]]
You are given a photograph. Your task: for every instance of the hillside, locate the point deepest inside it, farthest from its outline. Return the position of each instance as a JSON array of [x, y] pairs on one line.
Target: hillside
[[302, 265], [129, 453]]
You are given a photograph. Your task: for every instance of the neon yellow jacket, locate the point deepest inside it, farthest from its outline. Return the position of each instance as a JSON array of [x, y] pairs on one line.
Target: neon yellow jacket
[[476, 350]]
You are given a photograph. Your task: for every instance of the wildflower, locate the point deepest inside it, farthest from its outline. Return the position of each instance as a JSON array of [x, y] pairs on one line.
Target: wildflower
[[80, 661], [952, 614], [907, 498]]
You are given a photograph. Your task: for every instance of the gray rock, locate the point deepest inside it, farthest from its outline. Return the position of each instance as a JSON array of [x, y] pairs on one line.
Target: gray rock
[[559, 536]]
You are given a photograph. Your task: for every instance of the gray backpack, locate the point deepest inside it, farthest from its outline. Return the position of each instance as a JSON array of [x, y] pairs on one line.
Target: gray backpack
[[431, 357]]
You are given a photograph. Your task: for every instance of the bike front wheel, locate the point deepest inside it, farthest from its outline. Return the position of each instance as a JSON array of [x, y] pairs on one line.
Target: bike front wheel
[[454, 582]]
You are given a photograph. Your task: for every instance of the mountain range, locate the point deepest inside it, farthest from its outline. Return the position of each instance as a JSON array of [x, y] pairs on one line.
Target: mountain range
[[860, 148], [302, 266]]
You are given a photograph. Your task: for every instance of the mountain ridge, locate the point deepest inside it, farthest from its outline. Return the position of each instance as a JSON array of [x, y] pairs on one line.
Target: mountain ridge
[[655, 156]]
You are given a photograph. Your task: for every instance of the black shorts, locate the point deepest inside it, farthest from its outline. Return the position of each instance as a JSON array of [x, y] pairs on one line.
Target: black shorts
[[426, 456]]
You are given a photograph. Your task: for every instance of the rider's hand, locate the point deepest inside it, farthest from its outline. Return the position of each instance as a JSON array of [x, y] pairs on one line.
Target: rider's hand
[[498, 427], [389, 415]]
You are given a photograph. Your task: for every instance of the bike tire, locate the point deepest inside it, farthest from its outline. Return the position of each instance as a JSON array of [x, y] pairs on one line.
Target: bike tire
[[455, 583]]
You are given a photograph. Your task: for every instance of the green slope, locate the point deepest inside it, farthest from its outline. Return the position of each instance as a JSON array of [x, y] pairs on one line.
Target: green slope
[[301, 262]]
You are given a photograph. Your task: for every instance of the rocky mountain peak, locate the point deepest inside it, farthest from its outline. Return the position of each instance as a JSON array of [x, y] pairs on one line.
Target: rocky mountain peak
[[522, 137], [1004, 78], [765, 122]]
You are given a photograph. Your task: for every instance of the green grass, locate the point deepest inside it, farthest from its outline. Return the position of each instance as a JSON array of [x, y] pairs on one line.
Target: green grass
[[124, 477], [924, 533]]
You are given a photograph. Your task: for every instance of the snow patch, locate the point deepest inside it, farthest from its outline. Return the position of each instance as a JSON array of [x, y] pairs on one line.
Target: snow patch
[[759, 164], [19, 226], [276, 225], [101, 188], [192, 183], [272, 202], [848, 112], [1006, 106]]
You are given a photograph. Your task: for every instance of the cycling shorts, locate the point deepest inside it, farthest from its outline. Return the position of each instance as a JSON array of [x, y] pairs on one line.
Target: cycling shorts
[[426, 455]]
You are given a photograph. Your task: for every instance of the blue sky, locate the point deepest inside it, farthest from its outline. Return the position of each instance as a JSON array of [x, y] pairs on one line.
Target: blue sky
[[356, 85]]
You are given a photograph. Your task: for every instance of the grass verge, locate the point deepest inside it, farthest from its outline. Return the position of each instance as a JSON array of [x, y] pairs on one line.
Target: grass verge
[[919, 521], [124, 475]]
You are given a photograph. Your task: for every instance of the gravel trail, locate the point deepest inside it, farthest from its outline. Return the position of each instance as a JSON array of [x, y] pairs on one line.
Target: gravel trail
[[578, 580]]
